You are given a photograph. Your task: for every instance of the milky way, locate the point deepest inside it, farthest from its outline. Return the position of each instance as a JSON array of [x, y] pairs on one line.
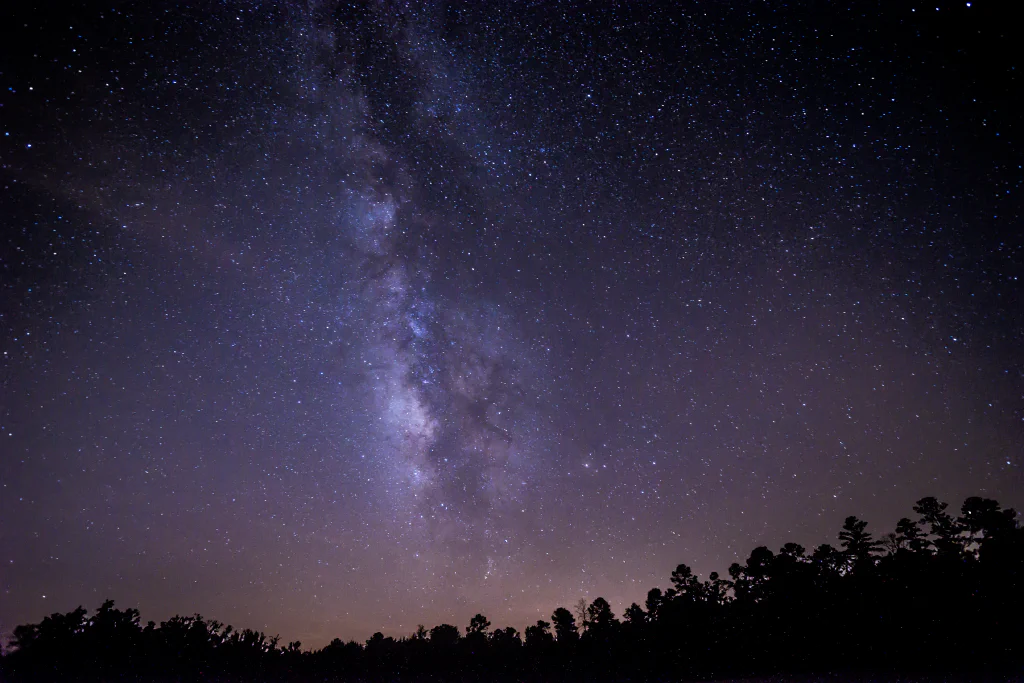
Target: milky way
[[332, 318]]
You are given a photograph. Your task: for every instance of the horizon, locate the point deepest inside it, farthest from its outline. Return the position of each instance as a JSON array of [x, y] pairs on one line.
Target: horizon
[[618, 610]]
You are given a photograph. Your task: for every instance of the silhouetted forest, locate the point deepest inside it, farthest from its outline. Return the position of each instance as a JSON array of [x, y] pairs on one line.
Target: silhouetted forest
[[940, 593]]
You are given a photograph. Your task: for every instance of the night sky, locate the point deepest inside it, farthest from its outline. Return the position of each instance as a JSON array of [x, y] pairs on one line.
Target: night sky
[[328, 318]]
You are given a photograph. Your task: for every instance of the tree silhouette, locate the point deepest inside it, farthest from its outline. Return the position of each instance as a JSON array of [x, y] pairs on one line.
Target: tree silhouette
[[565, 626], [908, 536], [653, 603], [750, 581], [505, 639], [600, 618], [444, 635], [539, 635], [858, 545], [983, 519], [476, 633], [943, 529], [580, 610], [478, 625], [829, 560], [682, 579], [946, 597], [634, 615]]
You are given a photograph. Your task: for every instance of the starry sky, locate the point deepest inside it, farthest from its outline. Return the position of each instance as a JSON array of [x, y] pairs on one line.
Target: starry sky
[[325, 318]]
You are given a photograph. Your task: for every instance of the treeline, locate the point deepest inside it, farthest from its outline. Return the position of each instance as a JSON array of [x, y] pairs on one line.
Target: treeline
[[940, 593]]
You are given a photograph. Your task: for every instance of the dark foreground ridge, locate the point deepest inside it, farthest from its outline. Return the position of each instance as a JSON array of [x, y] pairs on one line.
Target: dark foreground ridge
[[940, 594]]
